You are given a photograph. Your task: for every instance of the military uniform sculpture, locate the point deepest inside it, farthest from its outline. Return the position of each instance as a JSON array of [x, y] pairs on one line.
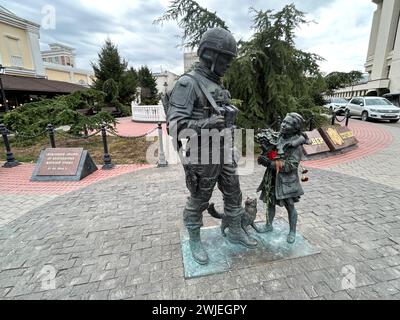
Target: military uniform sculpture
[[199, 103], [282, 153]]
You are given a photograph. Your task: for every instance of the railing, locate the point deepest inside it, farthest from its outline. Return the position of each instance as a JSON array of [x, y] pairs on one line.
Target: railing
[[148, 113]]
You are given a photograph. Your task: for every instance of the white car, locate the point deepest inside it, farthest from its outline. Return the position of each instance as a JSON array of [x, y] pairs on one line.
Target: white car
[[373, 108], [336, 104]]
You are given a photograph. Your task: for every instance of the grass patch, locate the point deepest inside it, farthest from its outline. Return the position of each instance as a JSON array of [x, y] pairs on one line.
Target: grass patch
[[122, 150]]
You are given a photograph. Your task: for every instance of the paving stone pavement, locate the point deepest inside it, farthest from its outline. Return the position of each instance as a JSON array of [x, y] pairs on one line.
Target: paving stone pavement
[[382, 167], [16, 205], [119, 239], [19, 195]]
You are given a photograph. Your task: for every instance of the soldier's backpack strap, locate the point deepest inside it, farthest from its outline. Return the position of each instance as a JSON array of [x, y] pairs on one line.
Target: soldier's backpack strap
[[206, 93]]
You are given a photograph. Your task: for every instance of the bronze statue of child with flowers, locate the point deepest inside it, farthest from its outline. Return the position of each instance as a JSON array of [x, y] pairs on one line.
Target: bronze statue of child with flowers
[[281, 155]]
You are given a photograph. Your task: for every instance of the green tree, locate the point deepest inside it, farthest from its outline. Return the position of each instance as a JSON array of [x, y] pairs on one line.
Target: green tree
[[110, 65], [193, 19], [336, 80], [33, 118], [270, 75], [127, 88], [148, 85], [110, 88]]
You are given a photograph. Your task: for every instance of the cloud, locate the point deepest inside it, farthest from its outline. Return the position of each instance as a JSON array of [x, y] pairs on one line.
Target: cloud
[[341, 35]]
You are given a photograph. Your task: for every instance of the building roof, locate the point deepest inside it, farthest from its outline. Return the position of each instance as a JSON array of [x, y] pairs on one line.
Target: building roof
[[11, 18], [27, 84], [4, 10]]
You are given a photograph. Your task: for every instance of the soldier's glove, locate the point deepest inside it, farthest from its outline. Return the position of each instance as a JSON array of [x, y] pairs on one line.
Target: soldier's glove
[[264, 161], [214, 122]]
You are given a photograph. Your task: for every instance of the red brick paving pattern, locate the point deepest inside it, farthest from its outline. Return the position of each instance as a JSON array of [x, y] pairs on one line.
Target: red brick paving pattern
[[372, 138], [17, 180]]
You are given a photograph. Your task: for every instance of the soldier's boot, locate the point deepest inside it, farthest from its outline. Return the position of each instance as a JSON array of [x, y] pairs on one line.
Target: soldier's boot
[[198, 252], [237, 235]]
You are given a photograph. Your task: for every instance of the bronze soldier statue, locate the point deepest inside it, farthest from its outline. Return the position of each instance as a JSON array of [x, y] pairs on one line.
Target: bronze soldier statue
[[282, 153], [199, 103]]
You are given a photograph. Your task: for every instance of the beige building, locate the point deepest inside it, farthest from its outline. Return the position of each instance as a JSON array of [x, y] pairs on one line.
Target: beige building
[[189, 59], [59, 63], [19, 46], [383, 57], [25, 77], [165, 81]]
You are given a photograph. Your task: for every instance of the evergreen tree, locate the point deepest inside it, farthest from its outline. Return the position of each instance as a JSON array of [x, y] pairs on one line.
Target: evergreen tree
[[270, 75], [194, 22], [110, 65], [148, 85], [128, 85], [336, 80]]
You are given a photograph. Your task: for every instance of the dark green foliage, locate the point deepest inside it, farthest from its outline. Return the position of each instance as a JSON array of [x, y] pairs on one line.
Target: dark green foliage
[[193, 19], [270, 76], [148, 85], [110, 88], [127, 89], [33, 118], [111, 66], [336, 80]]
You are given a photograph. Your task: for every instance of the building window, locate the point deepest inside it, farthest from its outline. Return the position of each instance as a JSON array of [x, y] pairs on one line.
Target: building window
[[388, 72], [14, 49]]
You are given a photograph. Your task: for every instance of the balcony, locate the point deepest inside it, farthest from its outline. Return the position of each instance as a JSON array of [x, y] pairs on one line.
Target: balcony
[[149, 114]]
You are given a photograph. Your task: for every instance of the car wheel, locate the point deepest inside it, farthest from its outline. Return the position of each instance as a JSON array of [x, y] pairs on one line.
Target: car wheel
[[394, 121], [364, 116]]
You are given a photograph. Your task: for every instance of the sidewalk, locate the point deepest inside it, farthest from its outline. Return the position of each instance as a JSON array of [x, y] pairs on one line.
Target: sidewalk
[[119, 238], [127, 128]]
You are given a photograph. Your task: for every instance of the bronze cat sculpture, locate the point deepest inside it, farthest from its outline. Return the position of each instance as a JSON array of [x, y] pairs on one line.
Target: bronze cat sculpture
[[248, 217]]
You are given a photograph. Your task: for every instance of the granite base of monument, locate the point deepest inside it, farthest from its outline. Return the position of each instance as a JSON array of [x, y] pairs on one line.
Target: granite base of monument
[[63, 164], [225, 256]]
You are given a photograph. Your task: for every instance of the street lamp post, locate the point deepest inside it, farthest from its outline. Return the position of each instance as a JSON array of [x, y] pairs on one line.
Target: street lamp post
[[3, 94]]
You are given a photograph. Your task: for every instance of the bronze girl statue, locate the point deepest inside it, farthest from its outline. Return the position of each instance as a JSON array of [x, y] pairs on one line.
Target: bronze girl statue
[[282, 153]]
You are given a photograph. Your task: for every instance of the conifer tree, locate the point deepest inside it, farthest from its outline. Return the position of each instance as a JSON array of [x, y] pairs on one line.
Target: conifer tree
[[148, 85], [270, 75], [110, 65]]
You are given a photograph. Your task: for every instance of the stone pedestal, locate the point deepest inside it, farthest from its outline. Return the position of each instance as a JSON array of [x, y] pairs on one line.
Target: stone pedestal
[[225, 256]]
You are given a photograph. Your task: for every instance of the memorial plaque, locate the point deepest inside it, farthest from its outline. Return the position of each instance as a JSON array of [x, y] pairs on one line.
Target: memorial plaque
[[63, 164], [338, 138], [317, 144], [60, 162]]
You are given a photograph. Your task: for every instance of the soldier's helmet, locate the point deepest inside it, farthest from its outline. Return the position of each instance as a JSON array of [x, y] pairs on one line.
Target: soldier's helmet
[[219, 40]]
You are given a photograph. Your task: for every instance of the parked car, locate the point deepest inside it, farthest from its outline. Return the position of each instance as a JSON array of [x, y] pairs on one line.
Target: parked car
[[373, 108], [336, 104]]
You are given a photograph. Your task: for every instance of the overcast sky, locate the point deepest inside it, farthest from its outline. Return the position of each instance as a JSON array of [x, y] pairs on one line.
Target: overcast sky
[[340, 33]]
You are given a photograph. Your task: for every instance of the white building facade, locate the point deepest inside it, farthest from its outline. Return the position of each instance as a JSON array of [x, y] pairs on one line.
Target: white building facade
[[189, 59], [165, 81], [59, 63], [383, 57]]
